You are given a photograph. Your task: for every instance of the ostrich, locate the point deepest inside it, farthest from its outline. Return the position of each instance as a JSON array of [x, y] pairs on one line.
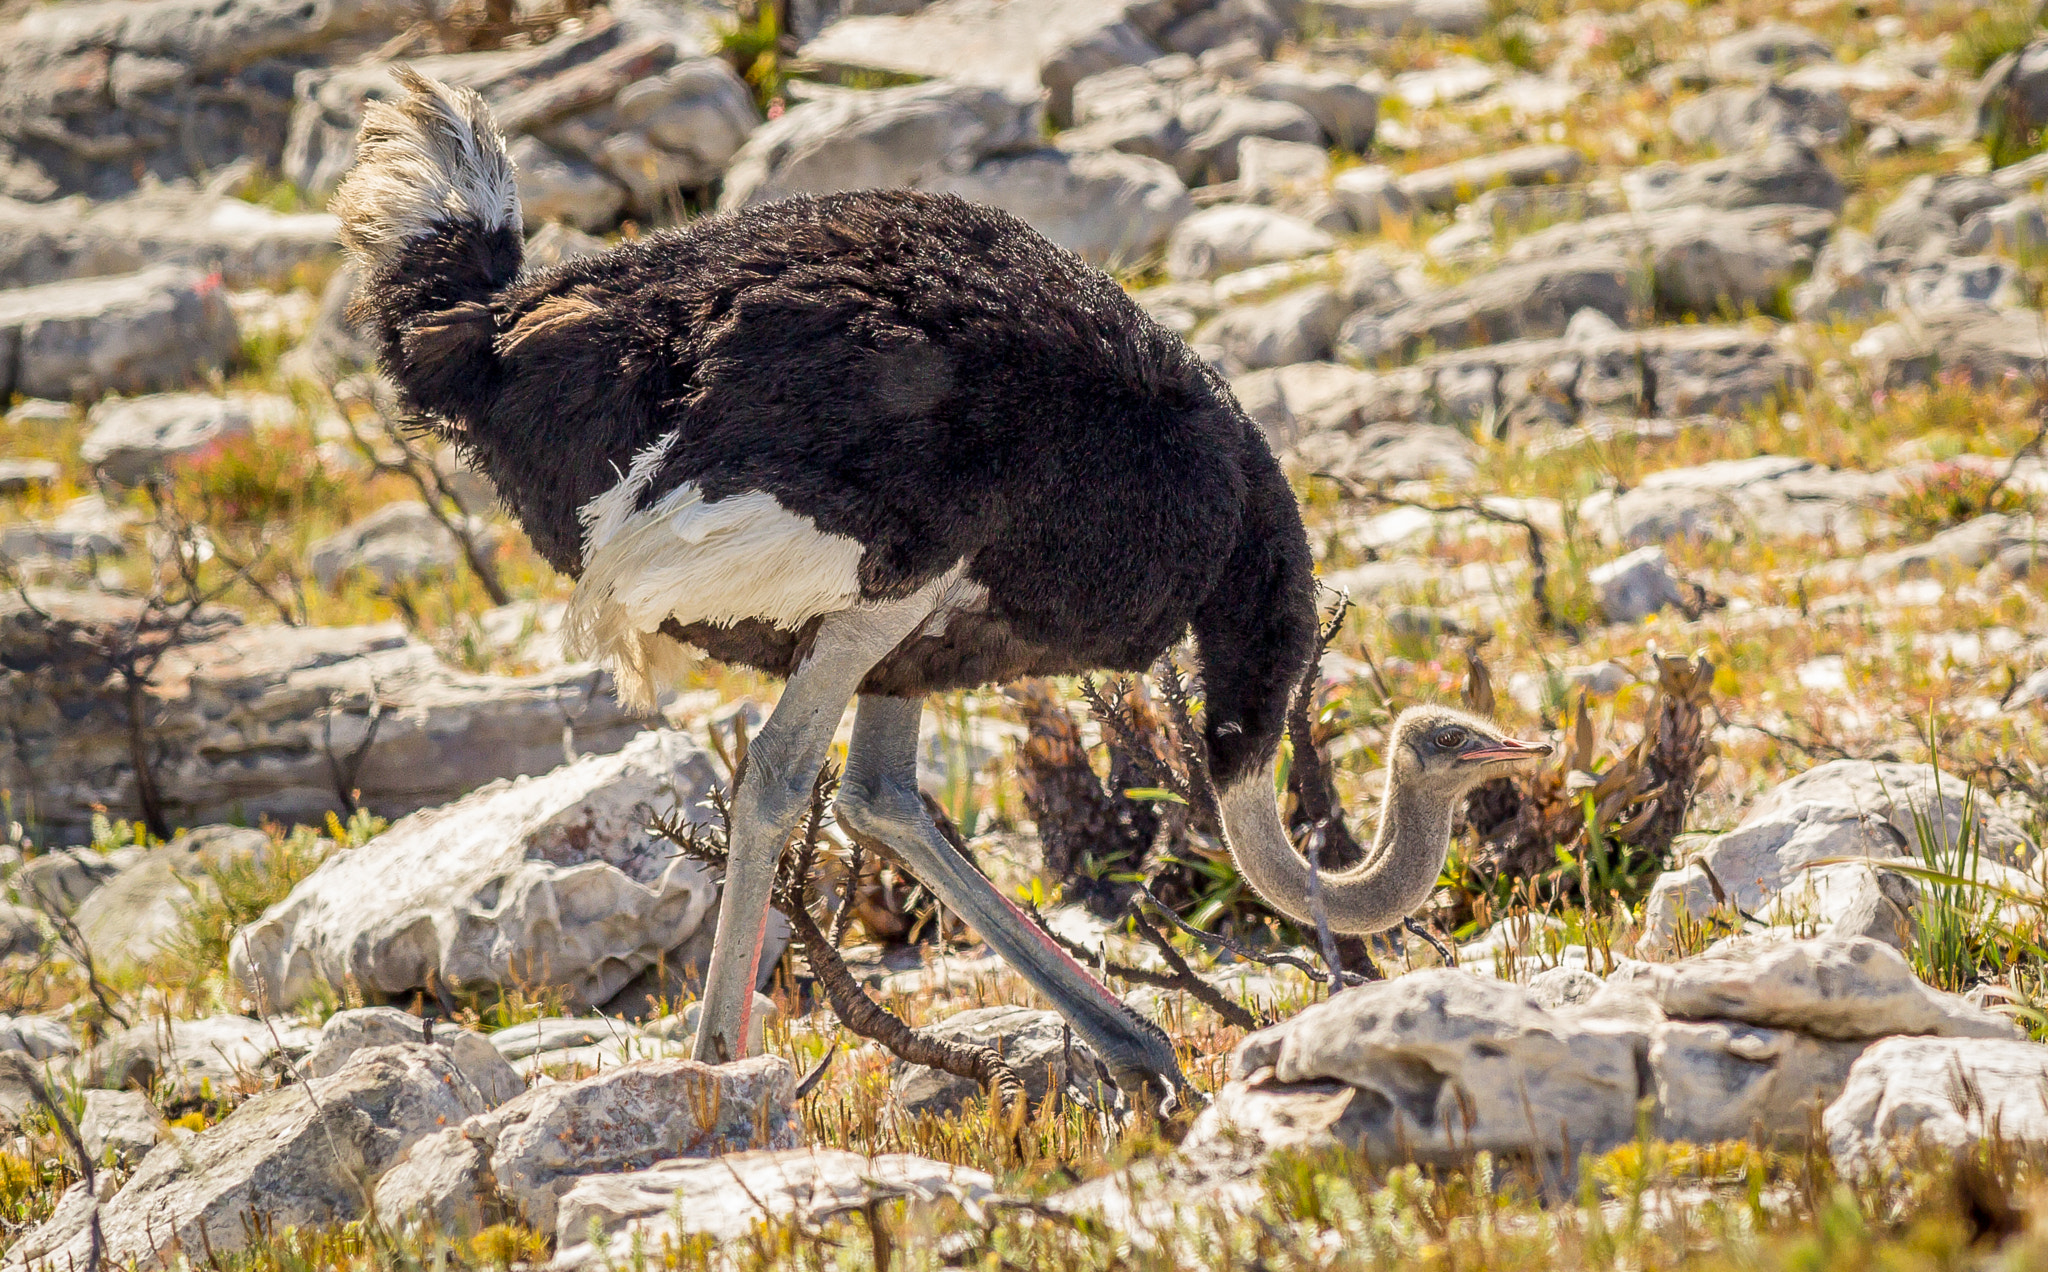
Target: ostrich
[[879, 444]]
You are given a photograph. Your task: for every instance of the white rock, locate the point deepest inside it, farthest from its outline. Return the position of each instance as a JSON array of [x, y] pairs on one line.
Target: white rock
[[1037, 1045], [348, 1032], [1633, 587], [725, 1200], [1108, 208], [161, 328], [139, 911], [1343, 108], [1722, 1081], [551, 879], [1944, 1093], [872, 139], [297, 1156], [39, 1036], [228, 1054], [1289, 329], [1234, 236], [558, 187], [123, 1123], [1371, 195], [398, 542], [1843, 988], [1443, 188], [525, 1155], [1437, 1065], [1844, 808]]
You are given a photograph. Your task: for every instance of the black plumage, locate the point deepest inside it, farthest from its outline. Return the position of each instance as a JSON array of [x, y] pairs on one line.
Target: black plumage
[[929, 377]]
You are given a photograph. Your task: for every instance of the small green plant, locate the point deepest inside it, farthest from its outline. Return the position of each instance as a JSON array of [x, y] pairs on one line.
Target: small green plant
[[754, 49], [1950, 494], [1991, 33]]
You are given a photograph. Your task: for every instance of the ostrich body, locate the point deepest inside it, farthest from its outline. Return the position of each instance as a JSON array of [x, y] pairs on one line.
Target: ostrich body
[[880, 444]]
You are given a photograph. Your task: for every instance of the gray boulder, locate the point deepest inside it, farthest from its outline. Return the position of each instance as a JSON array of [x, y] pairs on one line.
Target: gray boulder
[[1215, 124], [120, 1124], [1110, 209], [349, 1032], [1844, 808], [1700, 260], [1786, 171], [874, 139], [1371, 195], [1908, 1094], [220, 1056], [1739, 117], [161, 328], [132, 438], [554, 187], [730, 1197], [1429, 1067], [1233, 236], [203, 230], [550, 880], [1443, 188], [1633, 587], [58, 882], [1988, 346], [269, 721], [1509, 302], [38, 1037], [1763, 497], [1844, 988], [1344, 109], [140, 910], [1850, 280], [1766, 51], [98, 99], [298, 1156], [523, 1157], [1038, 1046], [1295, 327], [399, 542], [1717, 1080]]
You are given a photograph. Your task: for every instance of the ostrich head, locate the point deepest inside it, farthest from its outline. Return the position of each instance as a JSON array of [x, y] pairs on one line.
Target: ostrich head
[[1446, 752], [1435, 755]]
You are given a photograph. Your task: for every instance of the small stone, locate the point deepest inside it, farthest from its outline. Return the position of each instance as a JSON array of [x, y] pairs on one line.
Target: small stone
[[1038, 1046], [1636, 586], [20, 476], [123, 1124], [1235, 236], [348, 1032]]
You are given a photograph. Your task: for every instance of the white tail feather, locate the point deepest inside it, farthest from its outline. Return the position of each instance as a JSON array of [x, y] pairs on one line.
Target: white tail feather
[[428, 158]]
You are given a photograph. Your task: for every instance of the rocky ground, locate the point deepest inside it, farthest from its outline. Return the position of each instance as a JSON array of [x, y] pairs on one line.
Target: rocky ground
[[1669, 380]]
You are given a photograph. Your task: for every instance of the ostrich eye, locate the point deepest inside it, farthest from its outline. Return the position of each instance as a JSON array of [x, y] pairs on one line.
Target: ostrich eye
[[1450, 739]]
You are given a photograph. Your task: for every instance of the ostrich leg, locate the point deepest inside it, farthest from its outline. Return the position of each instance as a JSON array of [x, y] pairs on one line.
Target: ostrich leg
[[878, 797], [782, 762]]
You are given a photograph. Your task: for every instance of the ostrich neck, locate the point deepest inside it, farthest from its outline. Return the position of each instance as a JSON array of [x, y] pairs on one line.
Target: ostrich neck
[[1394, 880]]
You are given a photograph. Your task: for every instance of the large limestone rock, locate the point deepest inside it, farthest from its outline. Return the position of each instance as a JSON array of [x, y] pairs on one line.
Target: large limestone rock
[[399, 542], [852, 139], [1511, 302], [1786, 171], [1989, 346], [246, 244], [1700, 261], [522, 1158], [1844, 808], [726, 1199], [1443, 188], [140, 910], [348, 1032], [162, 328], [299, 1156], [1832, 987], [1428, 1067], [1763, 497], [1234, 236], [226, 1055], [1940, 1093], [1037, 1045], [1108, 208], [95, 99], [133, 438], [1720, 1081], [628, 93], [540, 881], [267, 721]]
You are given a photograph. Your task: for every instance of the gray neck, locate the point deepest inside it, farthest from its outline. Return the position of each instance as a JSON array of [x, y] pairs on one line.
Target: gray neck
[[1393, 881]]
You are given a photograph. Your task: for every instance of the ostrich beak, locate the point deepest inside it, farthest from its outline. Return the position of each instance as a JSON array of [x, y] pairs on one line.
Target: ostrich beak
[[1506, 750]]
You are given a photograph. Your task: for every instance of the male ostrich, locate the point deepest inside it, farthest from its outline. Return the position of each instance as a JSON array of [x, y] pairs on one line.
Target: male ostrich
[[880, 444]]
